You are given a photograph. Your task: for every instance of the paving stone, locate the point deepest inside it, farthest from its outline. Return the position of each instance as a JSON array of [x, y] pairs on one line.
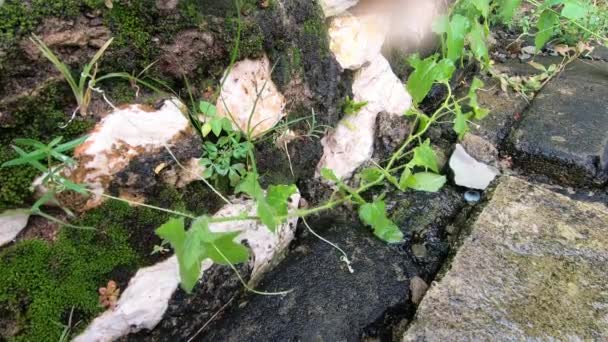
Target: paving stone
[[533, 268], [564, 133], [328, 303]]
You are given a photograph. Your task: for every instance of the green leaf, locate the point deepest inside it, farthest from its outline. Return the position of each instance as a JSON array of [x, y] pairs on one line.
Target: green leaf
[[173, 232], [457, 30], [374, 215], [216, 127], [574, 10], [425, 181], [426, 72], [546, 27], [407, 173], [370, 174], [477, 40], [461, 125], [507, 9], [250, 186], [225, 251], [483, 6], [207, 108], [206, 129], [424, 156], [441, 23], [271, 208], [475, 85], [329, 175]]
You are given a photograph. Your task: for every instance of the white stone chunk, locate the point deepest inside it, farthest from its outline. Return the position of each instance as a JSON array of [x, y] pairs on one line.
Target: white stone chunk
[[249, 98], [335, 7], [470, 173], [356, 40], [146, 298], [12, 222], [119, 138], [352, 142]]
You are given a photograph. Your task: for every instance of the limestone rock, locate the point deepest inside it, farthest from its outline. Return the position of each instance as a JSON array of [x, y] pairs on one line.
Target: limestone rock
[[356, 40], [533, 268], [469, 172], [12, 222], [248, 80], [335, 7], [145, 300], [352, 142]]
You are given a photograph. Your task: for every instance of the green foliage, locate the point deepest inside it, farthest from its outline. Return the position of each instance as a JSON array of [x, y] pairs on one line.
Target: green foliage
[[374, 215], [426, 73], [42, 281], [81, 88], [272, 206], [197, 244], [224, 157], [351, 107]]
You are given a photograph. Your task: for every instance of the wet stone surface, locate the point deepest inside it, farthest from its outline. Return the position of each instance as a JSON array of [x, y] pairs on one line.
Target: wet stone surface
[[564, 133], [328, 303], [533, 268]]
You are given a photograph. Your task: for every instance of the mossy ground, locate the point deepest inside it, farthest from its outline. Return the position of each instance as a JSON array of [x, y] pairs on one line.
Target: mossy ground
[[42, 281]]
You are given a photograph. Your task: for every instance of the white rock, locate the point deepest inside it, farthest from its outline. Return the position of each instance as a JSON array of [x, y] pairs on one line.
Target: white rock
[[12, 223], [248, 80], [356, 40], [335, 7], [470, 173], [145, 300], [119, 138], [352, 142]]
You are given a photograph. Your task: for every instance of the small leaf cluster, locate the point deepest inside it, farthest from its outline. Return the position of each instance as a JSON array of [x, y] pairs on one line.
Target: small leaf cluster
[[222, 157]]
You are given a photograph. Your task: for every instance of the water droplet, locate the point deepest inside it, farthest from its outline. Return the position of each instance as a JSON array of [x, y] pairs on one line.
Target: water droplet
[[472, 196]]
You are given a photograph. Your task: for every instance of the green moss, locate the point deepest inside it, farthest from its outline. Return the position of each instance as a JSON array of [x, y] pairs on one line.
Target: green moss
[[45, 280], [36, 117], [315, 35], [252, 39], [42, 281]]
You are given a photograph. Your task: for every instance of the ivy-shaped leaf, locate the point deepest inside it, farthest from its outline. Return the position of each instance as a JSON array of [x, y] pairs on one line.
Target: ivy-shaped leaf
[[457, 31], [424, 156], [483, 6], [574, 10], [477, 41], [374, 215], [173, 232], [507, 9], [424, 181], [426, 72], [546, 27], [274, 205], [270, 207]]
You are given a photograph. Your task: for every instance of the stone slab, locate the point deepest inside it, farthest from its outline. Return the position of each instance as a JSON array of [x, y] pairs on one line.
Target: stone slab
[[327, 302], [533, 269], [564, 133]]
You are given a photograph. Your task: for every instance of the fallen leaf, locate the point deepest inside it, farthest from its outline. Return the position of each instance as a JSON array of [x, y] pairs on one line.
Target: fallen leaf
[[109, 4]]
